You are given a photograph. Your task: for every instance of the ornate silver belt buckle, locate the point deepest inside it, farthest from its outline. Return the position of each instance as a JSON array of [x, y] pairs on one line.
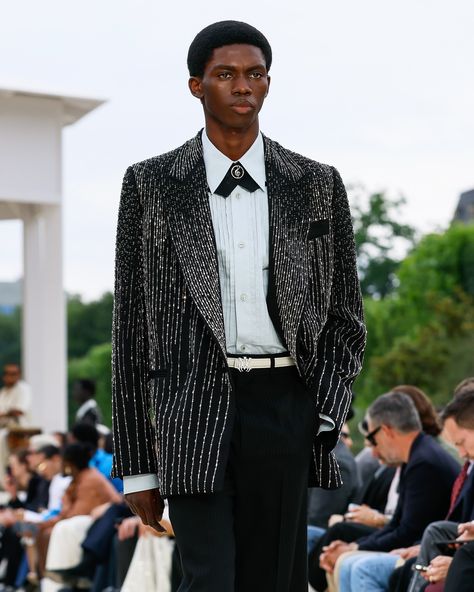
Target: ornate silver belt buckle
[[243, 364]]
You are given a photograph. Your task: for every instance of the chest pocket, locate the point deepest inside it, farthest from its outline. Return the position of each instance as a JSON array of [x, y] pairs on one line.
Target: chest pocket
[[318, 228]]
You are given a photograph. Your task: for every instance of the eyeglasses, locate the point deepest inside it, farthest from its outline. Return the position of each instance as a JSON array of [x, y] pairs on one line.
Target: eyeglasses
[[371, 436]]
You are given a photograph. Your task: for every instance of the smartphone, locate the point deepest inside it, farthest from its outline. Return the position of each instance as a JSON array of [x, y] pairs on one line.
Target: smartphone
[[420, 567], [448, 547]]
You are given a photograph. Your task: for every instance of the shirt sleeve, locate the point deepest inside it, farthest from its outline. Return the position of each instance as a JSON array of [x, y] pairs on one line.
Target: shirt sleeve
[[134, 483], [326, 424]]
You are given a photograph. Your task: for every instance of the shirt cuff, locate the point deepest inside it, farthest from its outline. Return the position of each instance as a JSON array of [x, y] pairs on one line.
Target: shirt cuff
[[326, 424], [134, 483]]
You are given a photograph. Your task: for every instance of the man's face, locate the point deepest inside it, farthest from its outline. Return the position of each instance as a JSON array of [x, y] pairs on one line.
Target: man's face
[[385, 443], [33, 459], [233, 87], [461, 438], [11, 375]]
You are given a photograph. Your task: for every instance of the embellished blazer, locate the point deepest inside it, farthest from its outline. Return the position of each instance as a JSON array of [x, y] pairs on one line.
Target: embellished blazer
[[173, 403]]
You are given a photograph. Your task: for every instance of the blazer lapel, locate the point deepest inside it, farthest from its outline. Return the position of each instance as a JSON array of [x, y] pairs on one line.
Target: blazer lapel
[[190, 224], [289, 216]]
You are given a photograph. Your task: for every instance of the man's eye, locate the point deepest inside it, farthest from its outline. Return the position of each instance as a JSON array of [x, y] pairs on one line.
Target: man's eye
[[224, 75], [256, 75]]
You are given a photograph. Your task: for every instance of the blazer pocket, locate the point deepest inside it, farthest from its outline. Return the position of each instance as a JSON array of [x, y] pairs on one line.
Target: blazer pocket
[[157, 373], [318, 228]]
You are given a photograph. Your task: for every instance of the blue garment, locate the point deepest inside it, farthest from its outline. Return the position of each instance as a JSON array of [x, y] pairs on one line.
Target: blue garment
[[366, 571], [102, 461], [314, 534]]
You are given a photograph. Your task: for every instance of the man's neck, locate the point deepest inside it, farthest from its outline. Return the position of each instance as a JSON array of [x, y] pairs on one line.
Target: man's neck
[[234, 143], [407, 444]]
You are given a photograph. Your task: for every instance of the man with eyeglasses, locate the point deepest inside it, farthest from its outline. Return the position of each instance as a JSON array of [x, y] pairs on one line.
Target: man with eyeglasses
[[395, 433]]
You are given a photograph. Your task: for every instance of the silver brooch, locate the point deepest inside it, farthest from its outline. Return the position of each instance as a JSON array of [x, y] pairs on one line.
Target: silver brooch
[[237, 171]]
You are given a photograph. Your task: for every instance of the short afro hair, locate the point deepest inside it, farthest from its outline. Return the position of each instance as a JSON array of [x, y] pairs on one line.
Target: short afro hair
[[221, 34]]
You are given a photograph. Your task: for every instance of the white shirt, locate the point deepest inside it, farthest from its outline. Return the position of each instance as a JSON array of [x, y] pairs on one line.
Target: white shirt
[[241, 229], [17, 397]]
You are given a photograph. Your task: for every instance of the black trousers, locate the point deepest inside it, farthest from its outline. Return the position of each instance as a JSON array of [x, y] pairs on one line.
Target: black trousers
[[460, 576], [251, 537]]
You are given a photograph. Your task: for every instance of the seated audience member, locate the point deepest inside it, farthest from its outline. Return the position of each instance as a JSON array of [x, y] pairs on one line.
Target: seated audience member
[[15, 405], [377, 504], [323, 503], [159, 546], [15, 398], [19, 478], [395, 432], [35, 444], [458, 420], [374, 571], [459, 508], [460, 575], [100, 459], [83, 392], [49, 467], [92, 549], [88, 490]]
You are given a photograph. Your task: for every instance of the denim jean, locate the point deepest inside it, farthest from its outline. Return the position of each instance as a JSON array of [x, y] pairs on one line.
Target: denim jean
[[314, 534], [367, 571]]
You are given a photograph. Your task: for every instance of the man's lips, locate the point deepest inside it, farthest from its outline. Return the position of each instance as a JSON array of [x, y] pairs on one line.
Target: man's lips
[[242, 106]]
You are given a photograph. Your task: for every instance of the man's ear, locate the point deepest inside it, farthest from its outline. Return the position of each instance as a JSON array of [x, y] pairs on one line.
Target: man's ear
[[195, 86], [268, 82]]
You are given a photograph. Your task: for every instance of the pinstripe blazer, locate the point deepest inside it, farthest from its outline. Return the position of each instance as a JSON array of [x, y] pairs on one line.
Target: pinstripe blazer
[[172, 393]]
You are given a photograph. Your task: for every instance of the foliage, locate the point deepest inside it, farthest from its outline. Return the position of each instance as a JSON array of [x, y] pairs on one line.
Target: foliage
[[377, 235], [10, 331], [423, 334], [88, 324], [425, 358], [96, 364]]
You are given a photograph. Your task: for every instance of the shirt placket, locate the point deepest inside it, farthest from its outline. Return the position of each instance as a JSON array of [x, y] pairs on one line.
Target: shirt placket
[[244, 284]]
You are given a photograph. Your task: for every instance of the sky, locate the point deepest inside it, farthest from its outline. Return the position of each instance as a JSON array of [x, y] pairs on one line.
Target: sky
[[382, 90]]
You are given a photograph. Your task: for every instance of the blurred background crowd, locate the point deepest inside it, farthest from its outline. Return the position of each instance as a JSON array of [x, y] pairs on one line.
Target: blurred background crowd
[[402, 521]]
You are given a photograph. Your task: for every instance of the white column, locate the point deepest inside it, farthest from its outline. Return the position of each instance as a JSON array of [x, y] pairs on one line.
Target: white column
[[44, 316]]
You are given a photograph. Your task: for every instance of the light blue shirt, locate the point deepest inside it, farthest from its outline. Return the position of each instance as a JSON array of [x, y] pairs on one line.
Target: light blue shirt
[[241, 229]]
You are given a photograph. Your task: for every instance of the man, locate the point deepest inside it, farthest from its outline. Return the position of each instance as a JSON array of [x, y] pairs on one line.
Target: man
[[395, 434], [15, 405], [238, 331], [15, 398], [83, 392]]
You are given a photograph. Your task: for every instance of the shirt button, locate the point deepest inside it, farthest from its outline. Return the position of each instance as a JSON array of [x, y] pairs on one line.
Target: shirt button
[[243, 348], [237, 195], [243, 297], [241, 245]]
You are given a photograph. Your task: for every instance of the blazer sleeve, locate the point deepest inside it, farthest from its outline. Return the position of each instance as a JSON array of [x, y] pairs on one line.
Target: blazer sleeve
[[419, 505], [341, 343], [133, 432]]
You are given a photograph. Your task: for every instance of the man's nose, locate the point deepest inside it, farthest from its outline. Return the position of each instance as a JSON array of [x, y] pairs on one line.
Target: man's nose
[[241, 86]]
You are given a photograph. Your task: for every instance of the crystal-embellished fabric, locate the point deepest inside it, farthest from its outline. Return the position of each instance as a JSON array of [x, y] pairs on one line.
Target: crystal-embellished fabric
[[172, 395]]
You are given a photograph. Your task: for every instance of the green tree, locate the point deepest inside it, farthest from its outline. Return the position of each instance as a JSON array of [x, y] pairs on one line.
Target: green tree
[[378, 235], [96, 364], [423, 332], [88, 324], [10, 331]]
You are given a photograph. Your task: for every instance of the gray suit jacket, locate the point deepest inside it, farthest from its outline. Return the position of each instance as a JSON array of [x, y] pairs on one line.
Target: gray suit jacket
[[172, 391]]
